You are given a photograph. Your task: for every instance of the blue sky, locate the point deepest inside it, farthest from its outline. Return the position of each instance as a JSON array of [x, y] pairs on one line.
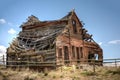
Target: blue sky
[[101, 18]]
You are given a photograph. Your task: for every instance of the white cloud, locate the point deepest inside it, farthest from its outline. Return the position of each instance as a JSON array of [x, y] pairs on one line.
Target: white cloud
[[2, 21], [2, 50], [100, 43], [10, 24], [114, 42], [11, 31]]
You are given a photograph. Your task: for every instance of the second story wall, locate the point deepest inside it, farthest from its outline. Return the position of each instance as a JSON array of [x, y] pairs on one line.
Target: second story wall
[[75, 27]]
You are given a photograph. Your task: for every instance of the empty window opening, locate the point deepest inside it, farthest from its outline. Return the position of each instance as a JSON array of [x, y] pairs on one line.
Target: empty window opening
[[81, 53], [60, 52], [96, 57], [66, 54], [73, 51], [90, 57], [78, 56], [74, 26]]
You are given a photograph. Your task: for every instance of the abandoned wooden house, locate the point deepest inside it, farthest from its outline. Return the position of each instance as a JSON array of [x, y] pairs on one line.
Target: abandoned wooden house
[[63, 41]]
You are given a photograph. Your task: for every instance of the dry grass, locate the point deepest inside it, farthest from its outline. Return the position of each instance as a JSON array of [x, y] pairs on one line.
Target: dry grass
[[64, 73]]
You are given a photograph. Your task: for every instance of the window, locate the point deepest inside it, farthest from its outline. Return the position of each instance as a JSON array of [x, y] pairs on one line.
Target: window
[[66, 54], [77, 51], [96, 57], [90, 57], [74, 26], [81, 53], [78, 56], [60, 52], [74, 22], [73, 51]]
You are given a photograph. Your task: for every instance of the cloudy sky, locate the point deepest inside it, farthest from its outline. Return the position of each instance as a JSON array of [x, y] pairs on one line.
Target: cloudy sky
[[101, 18]]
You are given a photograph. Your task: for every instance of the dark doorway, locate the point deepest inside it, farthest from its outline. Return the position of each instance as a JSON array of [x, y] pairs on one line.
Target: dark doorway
[[90, 57], [66, 54]]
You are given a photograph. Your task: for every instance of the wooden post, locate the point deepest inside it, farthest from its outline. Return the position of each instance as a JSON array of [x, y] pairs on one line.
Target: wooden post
[[115, 63], [45, 71], [3, 60], [61, 69], [28, 62], [61, 61], [69, 51], [94, 66]]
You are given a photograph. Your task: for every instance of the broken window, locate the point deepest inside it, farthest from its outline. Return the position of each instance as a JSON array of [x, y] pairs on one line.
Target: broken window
[[74, 26], [90, 57], [73, 51], [66, 54], [96, 57], [81, 53], [60, 52], [78, 56]]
